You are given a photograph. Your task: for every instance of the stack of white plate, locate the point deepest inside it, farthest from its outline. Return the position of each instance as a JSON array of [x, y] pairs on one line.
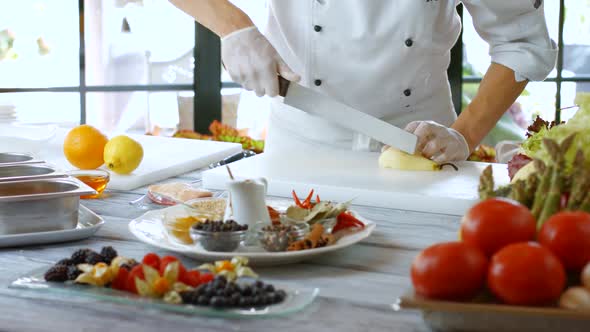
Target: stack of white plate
[[7, 113]]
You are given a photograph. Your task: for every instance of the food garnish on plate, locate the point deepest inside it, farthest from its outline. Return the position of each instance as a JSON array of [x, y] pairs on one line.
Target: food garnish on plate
[[325, 223]]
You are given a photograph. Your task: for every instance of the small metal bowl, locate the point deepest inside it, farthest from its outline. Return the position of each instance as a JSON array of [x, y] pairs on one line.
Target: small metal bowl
[[218, 241], [11, 158], [278, 238]]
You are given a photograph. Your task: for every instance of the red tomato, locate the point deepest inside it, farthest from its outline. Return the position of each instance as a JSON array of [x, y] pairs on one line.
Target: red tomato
[[152, 260], [120, 281], [206, 277], [526, 274], [137, 271], [567, 235], [449, 271], [164, 261], [494, 223], [191, 278]]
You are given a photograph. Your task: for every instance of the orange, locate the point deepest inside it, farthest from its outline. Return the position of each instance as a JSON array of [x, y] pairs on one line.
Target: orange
[[84, 147]]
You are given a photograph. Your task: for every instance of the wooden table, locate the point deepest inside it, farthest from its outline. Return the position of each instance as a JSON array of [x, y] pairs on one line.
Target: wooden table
[[357, 285]]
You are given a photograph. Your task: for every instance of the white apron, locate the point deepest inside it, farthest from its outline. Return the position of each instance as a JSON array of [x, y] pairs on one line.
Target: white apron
[[387, 58]]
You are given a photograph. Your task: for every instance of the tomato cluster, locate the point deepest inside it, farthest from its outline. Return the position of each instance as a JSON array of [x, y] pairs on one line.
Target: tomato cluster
[[501, 248], [125, 279]]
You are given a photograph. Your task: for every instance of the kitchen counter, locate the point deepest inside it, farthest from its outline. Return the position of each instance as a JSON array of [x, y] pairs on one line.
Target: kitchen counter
[[357, 285]]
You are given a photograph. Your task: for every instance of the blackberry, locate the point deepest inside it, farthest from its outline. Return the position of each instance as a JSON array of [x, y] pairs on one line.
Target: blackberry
[[79, 256], [94, 258], [57, 273], [187, 297], [218, 302], [109, 253], [65, 261], [73, 272]]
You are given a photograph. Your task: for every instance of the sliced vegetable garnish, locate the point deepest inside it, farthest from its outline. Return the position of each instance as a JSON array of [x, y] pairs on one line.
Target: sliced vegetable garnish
[[347, 220]]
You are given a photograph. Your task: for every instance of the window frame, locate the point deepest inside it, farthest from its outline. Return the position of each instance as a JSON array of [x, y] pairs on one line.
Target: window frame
[[207, 84], [456, 70]]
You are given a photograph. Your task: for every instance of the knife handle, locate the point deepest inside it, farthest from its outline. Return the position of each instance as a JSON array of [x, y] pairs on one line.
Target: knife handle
[[283, 86]]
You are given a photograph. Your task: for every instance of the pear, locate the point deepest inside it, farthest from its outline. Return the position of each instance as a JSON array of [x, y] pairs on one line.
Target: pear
[[397, 159]]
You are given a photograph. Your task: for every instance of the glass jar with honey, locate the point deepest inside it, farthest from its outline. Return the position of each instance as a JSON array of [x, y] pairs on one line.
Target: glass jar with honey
[[96, 179]]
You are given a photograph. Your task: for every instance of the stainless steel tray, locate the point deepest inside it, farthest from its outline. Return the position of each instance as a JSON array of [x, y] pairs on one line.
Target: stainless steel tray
[[88, 224], [20, 172], [15, 158], [40, 205]]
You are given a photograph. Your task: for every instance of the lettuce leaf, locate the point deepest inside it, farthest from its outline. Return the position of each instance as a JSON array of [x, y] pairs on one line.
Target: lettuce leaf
[[534, 143], [579, 125]]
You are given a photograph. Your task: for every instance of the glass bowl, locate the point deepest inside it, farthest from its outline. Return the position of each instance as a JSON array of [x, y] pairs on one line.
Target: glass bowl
[[276, 238], [218, 241], [328, 223], [97, 179]]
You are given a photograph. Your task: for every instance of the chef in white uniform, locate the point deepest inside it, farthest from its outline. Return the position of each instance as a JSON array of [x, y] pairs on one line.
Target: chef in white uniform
[[387, 58]]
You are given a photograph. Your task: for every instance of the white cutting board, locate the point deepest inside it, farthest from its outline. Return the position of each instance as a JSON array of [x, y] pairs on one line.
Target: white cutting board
[[342, 176], [163, 158]]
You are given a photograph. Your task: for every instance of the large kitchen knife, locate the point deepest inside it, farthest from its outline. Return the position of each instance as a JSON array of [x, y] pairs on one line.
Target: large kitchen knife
[[315, 103]]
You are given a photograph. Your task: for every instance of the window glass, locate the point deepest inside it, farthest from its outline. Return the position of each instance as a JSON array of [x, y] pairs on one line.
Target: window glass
[[39, 43], [62, 108], [131, 42]]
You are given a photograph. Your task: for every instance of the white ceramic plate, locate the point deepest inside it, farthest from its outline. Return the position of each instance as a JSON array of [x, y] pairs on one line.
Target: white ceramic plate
[[149, 229], [88, 224]]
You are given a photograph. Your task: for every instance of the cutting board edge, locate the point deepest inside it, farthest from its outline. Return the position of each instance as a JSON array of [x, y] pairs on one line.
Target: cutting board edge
[[389, 200], [178, 170]]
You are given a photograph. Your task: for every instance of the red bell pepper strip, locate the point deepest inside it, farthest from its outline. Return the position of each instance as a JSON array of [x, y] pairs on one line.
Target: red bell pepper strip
[[307, 202], [296, 199], [348, 217], [317, 199], [346, 220]]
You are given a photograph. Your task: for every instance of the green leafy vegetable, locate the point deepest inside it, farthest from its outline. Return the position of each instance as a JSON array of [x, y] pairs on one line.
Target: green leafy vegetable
[[579, 124]]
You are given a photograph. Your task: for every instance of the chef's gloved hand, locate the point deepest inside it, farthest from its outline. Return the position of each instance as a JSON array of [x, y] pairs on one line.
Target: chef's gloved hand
[[253, 62], [439, 143]]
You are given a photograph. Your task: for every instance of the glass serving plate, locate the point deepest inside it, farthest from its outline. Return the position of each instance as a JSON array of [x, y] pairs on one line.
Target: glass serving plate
[[296, 300]]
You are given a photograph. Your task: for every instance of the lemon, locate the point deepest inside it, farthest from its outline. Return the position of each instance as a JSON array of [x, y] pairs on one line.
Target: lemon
[[122, 154]]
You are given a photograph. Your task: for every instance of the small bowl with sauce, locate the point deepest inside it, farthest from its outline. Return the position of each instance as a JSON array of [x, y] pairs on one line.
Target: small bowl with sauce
[[95, 178]]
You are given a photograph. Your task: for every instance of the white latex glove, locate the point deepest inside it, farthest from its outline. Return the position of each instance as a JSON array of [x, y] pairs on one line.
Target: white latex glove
[[440, 143], [253, 62]]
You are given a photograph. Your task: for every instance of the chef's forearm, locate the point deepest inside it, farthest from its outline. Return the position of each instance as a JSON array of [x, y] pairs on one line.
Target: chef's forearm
[[497, 92], [219, 16]]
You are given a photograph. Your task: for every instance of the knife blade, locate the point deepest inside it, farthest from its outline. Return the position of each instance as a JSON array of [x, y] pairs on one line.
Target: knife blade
[[320, 105]]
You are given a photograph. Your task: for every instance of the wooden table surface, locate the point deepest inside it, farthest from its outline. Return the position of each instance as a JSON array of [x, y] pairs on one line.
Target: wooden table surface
[[358, 285]]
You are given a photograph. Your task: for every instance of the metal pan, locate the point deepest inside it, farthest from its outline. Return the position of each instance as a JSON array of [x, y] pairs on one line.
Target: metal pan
[[40, 205], [20, 172], [15, 158]]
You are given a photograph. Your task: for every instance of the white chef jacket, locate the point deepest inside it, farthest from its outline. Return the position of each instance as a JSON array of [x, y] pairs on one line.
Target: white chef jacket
[[389, 58]]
